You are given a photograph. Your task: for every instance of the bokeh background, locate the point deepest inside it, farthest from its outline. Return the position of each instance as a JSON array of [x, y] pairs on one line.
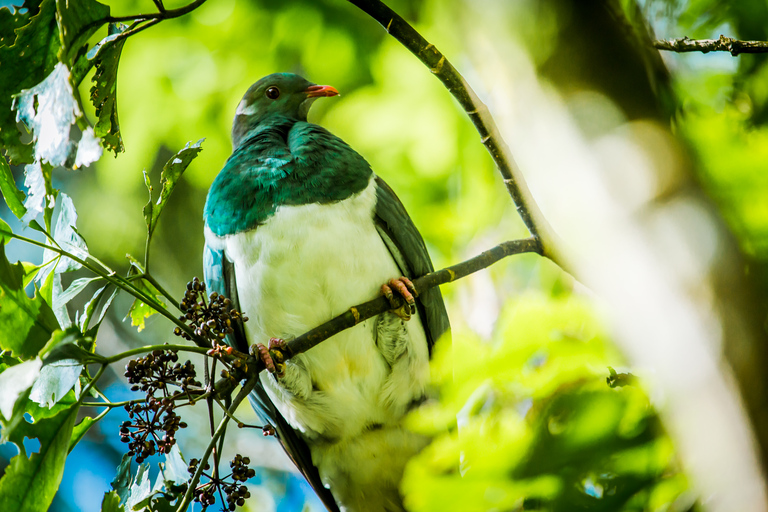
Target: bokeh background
[[650, 168]]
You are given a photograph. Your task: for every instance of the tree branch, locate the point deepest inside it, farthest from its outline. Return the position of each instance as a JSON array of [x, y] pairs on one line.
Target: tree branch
[[723, 44], [357, 314], [478, 113]]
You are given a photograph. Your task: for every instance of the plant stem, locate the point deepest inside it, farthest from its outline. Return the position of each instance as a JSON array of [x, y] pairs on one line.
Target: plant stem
[[244, 391], [150, 348], [113, 278]]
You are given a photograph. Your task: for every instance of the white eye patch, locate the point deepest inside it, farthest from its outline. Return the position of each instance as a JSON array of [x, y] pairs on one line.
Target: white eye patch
[[244, 109]]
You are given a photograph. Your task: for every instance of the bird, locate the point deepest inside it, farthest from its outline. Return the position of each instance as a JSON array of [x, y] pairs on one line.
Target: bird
[[298, 229]]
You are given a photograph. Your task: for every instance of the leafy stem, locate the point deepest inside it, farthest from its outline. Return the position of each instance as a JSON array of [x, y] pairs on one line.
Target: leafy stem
[[113, 278]]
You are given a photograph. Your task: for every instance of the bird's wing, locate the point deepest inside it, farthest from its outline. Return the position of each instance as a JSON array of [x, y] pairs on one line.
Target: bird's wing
[[407, 247], [220, 278]]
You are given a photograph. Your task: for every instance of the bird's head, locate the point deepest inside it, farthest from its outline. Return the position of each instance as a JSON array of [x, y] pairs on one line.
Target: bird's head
[[282, 94]]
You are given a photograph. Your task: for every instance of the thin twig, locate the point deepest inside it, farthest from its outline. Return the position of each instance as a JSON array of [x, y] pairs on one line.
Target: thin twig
[[357, 314], [478, 113], [244, 392], [723, 44]]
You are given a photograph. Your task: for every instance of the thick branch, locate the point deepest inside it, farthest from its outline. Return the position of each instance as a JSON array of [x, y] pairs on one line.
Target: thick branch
[[723, 44], [401, 30], [357, 314]]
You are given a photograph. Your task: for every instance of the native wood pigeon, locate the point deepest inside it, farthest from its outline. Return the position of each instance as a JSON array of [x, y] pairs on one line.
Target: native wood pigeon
[[298, 229]]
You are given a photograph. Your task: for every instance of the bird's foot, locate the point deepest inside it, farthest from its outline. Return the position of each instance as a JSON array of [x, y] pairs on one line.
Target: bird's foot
[[273, 357], [404, 287]]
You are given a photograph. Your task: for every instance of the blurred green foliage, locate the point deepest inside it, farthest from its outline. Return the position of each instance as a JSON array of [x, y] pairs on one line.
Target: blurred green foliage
[[528, 422]]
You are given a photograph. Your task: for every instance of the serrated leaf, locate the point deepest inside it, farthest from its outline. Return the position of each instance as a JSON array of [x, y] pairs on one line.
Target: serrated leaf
[[78, 20], [15, 381], [123, 479], [140, 489], [11, 19], [140, 311], [37, 192], [175, 469], [27, 62], [29, 484], [14, 197], [106, 55], [111, 503], [65, 234], [49, 109], [26, 324], [172, 171]]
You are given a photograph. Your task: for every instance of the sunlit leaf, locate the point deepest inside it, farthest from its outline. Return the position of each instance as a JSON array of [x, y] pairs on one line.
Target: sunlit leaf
[[14, 197], [111, 503], [49, 110], [172, 171], [62, 364], [140, 311], [14, 381], [31, 58], [86, 323], [30, 483], [4, 238], [26, 324], [37, 192], [106, 55], [175, 469]]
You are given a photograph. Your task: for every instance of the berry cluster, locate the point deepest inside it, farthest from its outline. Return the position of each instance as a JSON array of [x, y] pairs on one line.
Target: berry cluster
[[157, 370], [147, 420], [153, 423], [235, 492], [211, 319]]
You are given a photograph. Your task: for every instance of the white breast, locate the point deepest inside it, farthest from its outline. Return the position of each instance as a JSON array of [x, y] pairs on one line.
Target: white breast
[[303, 266]]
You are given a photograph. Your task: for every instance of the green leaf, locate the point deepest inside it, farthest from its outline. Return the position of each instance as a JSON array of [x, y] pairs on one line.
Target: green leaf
[[3, 237], [14, 197], [11, 19], [30, 483], [15, 381], [140, 311], [77, 286], [78, 20], [26, 324], [30, 59], [111, 503], [90, 309], [106, 55], [79, 431], [172, 171]]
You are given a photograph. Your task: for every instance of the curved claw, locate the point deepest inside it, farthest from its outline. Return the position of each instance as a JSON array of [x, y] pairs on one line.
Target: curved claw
[[404, 287], [275, 365]]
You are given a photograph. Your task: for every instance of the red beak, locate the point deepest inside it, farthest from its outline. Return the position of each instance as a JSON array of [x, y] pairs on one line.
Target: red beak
[[318, 91]]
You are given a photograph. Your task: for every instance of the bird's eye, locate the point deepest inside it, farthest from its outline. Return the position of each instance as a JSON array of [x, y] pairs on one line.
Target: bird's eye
[[273, 93]]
